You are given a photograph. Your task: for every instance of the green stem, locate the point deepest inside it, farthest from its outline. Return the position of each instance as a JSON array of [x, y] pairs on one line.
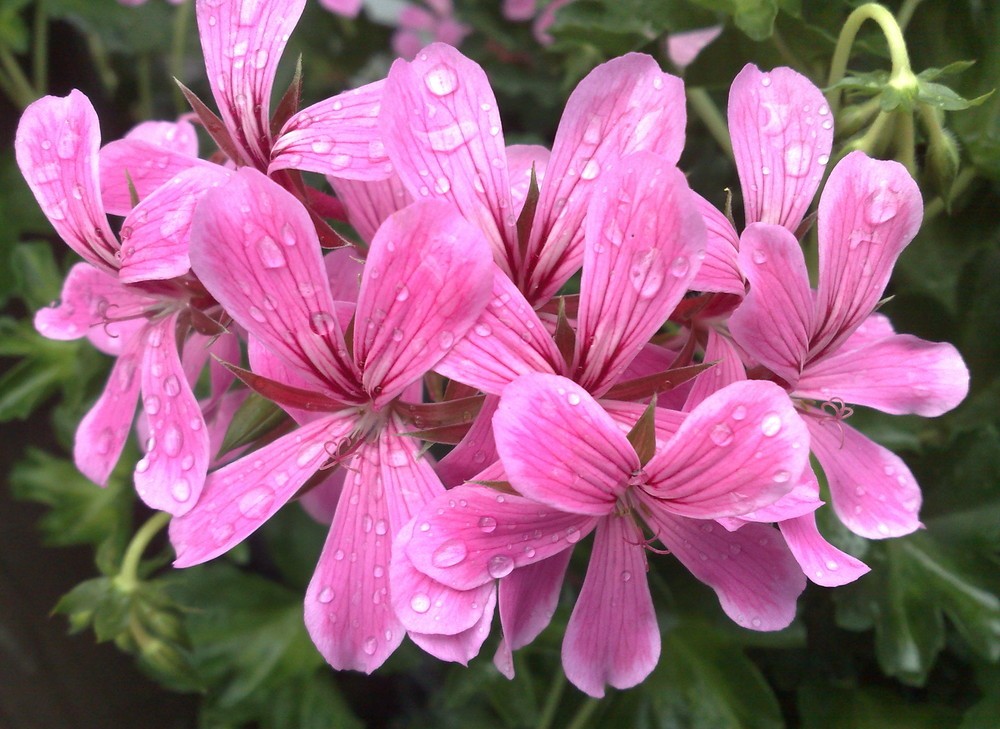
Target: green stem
[[904, 148], [40, 55], [583, 714], [936, 206], [873, 143], [128, 576], [181, 18], [21, 91], [552, 701], [711, 117], [901, 76]]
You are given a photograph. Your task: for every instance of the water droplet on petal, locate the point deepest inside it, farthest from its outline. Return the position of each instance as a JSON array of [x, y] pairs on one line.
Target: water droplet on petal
[[446, 340], [326, 595], [441, 80], [322, 322], [721, 434], [256, 502], [103, 444], [771, 424], [645, 274], [881, 205], [260, 58], [181, 490], [573, 535], [626, 576], [270, 254], [487, 524], [590, 170], [172, 386], [222, 533], [796, 160], [765, 80], [739, 412], [573, 398], [500, 565], [257, 315], [756, 622], [483, 330], [782, 476], [449, 554], [680, 267], [420, 603], [370, 645], [151, 404]]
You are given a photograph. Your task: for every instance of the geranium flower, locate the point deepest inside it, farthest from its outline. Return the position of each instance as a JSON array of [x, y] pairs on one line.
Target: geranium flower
[[425, 281]]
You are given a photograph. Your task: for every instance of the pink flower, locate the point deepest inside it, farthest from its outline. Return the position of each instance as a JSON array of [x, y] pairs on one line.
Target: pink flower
[[424, 283], [416, 27], [133, 303], [782, 133], [442, 131], [577, 472], [827, 347], [684, 47]]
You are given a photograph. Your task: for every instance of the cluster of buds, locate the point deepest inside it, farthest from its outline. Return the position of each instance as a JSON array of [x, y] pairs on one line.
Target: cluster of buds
[[673, 401]]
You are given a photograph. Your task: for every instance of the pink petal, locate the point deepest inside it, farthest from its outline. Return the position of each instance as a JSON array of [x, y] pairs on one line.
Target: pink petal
[[528, 600], [782, 133], [472, 535], [147, 164], [728, 368], [720, 269], [559, 447], [426, 280], [338, 136], [255, 249], [407, 474], [89, 297], [741, 449], [344, 270], [240, 497], [475, 451], [802, 499], [684, 47], [461, 647], [265, 363], [822, 563], [612, 636], [442, 130], [868, 213], [56, 147], [369, 203], [899, 374], [625, 105], [179, 136], [873, 491], [345, 8], [102, 433], [348, 610], [171, 474], [426, 606], [751, 570], [242, 44], [644, 237], [516, 10], [775, 320], [507, 340], [156, 233]]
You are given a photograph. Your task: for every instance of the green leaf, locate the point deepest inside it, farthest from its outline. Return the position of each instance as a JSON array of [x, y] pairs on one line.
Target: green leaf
[[256, 417], [80, 512], [703, 679], [13, 31], [942, 97], [122, 29], [831, 707], [37, 275]]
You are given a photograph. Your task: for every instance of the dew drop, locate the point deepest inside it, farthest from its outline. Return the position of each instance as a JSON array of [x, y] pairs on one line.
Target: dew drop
[[260, 58], [172, 386], [256, 502], [796, 160], [452, 136], [449, 554], [402, 293], [487, 524], [756, 622], [832, 565], [420, 603], [500, 565], [151, 404], [446, 339], [782, 476], [322, 322], [765, 80], [759, 257], [321, 146], [483, 330], [881, 205], [257, 315], [644, 274], [573, 535], [181, 490], [590, 170], [823, 159], [370, 645], [626, 576], [739, 412], [222, 533], [680, 267], [307, 454], [771, 424], [187, 463], [441, 80], [442, 185], [721, 434], [326, 595], [270, 254], [573, 398]]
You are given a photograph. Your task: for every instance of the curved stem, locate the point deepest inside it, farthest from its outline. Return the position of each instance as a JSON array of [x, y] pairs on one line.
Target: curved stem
[[16, 83], [702, 105], [583, 714], [128, 576], [552, 701], [937, 206], [901, 76]]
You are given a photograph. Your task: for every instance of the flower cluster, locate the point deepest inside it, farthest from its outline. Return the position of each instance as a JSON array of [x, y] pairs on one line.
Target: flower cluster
[[673, 401]]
